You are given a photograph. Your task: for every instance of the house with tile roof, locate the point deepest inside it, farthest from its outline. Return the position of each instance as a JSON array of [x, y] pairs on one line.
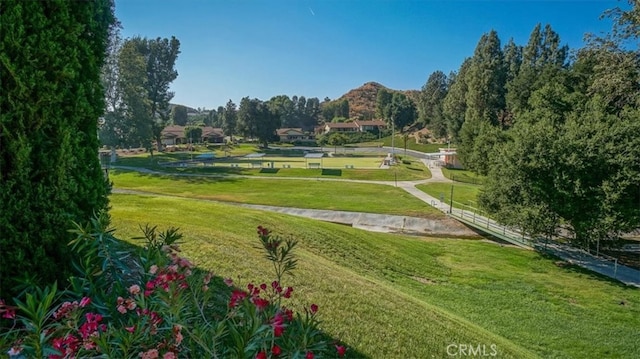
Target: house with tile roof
[[175, 135]]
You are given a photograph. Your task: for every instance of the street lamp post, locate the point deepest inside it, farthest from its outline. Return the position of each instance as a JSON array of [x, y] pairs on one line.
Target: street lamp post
[[393, 140]]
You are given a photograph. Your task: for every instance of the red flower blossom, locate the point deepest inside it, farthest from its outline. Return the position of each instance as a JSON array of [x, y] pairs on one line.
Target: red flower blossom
[[236, 297], [260, 303], [341, 350], [261, 355], [263, 232], [278, 330], [287, 293], [314, 308], [276, 350], [309, 355]]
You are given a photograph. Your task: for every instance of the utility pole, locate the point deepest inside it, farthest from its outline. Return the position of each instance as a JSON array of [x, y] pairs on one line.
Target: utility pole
[[451, 197]]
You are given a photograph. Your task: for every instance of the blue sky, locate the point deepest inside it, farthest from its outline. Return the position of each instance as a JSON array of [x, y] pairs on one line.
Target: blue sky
[[323, 48]]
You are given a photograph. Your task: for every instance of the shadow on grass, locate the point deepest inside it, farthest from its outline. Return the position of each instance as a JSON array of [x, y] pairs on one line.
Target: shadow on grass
[[331, 172], [216, 308], [576, 269], [270, 170]]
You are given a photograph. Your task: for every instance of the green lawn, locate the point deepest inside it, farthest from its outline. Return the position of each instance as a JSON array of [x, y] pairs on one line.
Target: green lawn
[[364, 167], [399, 143], [462, 176], [464, 194], [394, 296], [332, 195]]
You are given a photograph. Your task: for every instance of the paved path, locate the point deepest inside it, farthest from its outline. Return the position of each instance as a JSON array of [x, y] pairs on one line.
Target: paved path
[[572, 255]]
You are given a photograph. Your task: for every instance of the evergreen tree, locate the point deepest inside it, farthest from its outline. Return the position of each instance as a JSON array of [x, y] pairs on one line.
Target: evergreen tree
[[51, 56], [179, 115], [431, 103], [542, 61], [454, 104], [229, 119]]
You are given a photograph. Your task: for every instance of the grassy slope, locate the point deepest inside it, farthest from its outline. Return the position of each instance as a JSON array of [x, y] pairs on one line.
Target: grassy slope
[[282, 192], [462, 176], [463, 193], [371, 288]]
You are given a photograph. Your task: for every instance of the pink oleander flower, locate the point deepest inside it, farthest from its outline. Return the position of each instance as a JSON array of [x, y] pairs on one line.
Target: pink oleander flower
[[341, 350], [65, 310], [228, 282], [153, 269], [177, 333], [134, 289], [169, 355], [150, 354], [85, 301]]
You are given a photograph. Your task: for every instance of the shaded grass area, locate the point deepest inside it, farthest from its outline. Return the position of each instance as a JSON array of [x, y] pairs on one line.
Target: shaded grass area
[[464, 194], [393, 296], [330, 195], [465, 176], [412, 145], [399, 143], [364, 168]]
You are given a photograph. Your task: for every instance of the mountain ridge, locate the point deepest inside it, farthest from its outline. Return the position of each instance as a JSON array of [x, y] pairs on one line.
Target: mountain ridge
[[362, 100]]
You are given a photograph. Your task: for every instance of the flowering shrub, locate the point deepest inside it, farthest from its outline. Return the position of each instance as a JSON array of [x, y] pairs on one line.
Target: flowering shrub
[[156, 304]]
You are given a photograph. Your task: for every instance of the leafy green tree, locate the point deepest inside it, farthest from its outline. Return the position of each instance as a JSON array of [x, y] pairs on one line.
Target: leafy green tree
[[486, 81], [132, 80], [51, 53], [383, 101], [336, 139], [229, 119], [542, 62], [401, 113], [179, 115], [255, 119], [573, 155], [431, 102], [146, 69], [311, 114], [454, 104], [484, 103], [286, 110], [193, 134]]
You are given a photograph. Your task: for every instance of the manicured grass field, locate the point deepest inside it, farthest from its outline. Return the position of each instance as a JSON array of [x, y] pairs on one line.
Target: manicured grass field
[[365, 167], [332, 195], [393, 296]]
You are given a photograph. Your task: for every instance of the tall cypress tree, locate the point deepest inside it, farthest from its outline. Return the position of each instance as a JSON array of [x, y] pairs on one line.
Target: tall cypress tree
[[51, 53]]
